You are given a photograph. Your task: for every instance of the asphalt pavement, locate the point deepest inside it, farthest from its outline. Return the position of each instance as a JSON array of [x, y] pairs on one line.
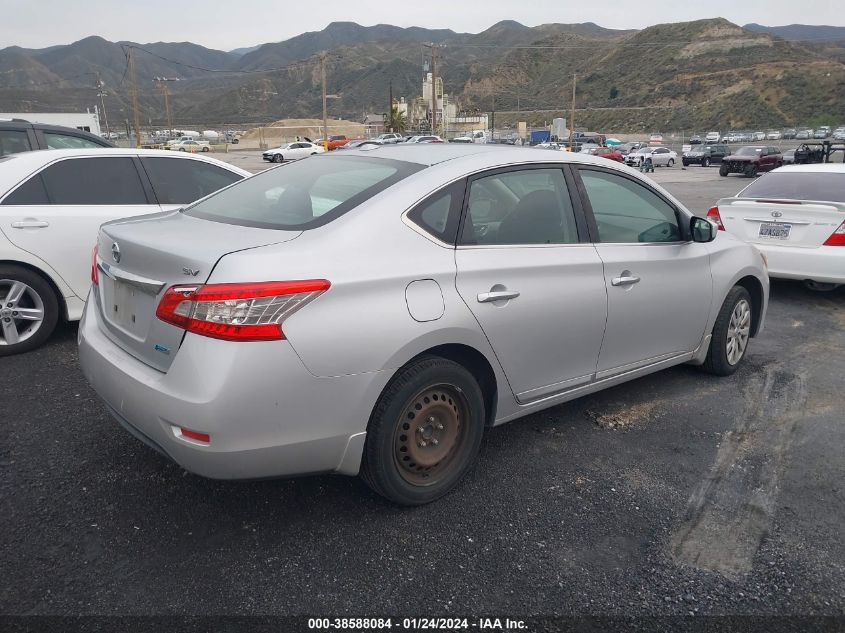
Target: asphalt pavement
[[679, 493]]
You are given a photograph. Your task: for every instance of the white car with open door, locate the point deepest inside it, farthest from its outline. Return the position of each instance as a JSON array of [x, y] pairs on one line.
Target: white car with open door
[[52, 204], [292, 151], [795, 215]]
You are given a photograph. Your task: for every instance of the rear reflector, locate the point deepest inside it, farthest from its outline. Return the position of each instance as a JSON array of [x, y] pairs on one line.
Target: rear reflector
[[95, 275], [193, 435], [713, 216], [238, 312], [837, 238]]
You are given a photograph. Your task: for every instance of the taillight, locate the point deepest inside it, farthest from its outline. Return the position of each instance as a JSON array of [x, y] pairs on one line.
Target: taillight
[[713, 216], [238, 312], [837, 238], [95, 275]]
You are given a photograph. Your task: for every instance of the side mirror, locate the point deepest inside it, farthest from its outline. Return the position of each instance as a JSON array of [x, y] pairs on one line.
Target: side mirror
[[702, 230]]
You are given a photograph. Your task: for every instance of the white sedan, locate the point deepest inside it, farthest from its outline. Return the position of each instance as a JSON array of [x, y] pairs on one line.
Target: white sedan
[[292, 151], [795, 215], [660, 157], [51, 205]]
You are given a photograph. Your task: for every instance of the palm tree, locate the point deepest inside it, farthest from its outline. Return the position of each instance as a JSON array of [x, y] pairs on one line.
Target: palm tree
[[395, 121]]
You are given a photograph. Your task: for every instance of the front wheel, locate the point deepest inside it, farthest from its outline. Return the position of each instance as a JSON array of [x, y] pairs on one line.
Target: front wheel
[[671, 162], [731, 333], [277, 158], [29, 310], [751, 171], [424, 433], [705, 162], [723, 170]]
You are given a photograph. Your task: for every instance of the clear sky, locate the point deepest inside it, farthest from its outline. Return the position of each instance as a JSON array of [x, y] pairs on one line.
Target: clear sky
[[226, 24]]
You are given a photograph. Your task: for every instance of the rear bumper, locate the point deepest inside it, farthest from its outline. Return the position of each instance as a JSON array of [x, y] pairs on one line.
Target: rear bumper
[[824, 264], [266, 414]]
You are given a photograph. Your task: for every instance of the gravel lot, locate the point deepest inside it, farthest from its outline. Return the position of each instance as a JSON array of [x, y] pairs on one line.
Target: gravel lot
[[677, 493]]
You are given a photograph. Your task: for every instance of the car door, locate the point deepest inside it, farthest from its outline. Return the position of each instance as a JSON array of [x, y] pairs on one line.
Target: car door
[[56, 213], [658, 282], [532, 281], [660, 157]]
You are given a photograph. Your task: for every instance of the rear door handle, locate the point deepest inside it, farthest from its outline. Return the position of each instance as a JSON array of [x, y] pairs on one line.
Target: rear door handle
[[501, 295], [626, 280], [30, 224]]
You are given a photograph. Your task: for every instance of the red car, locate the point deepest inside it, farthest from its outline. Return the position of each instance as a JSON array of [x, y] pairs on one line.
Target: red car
[[609, 153], [335, 141]]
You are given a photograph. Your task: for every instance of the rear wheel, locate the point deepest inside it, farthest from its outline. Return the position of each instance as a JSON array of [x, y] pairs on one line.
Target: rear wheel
[[705, 162], [731, 333], [29, 310], [424, 433], [671, 162], [723, 170]]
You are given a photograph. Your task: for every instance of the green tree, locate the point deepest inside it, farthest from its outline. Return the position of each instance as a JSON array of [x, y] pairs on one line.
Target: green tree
[[395, 121]]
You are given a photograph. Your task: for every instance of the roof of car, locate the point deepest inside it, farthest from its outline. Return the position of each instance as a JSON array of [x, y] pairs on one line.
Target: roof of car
[[836, 168], [17, 166]]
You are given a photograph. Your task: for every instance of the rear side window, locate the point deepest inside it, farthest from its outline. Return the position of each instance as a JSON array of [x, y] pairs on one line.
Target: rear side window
[[55, 140], [94, 181], [798, 185], [32, 192], [14, 142], [440, 214], [181, 181], [628, 212], [304, 194], [528, 206]]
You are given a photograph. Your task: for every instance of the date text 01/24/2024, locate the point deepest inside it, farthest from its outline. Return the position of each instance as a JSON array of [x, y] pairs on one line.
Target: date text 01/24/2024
[[415, 624]]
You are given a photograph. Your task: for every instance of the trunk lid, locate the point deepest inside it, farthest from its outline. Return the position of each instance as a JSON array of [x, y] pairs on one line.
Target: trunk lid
[[139, 258], [793, 223]]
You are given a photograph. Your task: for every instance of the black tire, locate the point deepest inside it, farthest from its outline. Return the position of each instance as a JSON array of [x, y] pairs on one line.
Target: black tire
[[705, 162], [671, 162], [277, 158], [205, 149], [723, 170], [751, 171], [717, 362], [47, 296], [388, 465], [686, 164], [182, 149]]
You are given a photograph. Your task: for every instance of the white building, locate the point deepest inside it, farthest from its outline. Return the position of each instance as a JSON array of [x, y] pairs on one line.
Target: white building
[[88, 121]]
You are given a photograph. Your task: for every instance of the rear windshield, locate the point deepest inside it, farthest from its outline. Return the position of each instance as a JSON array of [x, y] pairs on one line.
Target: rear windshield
[[798, 185], [304, 194]]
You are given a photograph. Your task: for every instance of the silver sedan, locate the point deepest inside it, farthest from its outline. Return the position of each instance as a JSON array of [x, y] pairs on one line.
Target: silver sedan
[[374, 311]]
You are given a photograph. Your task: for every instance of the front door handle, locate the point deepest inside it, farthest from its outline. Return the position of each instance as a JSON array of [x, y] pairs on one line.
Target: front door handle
[[30, 224], [626, 279], [501, 295]]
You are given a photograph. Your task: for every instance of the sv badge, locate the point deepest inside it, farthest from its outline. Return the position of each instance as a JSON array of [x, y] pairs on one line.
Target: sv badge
[[190, 271]]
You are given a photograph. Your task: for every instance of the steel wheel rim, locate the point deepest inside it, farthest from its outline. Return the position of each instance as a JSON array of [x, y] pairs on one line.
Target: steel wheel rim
[[430, 434], [739, 330], [21, 312]]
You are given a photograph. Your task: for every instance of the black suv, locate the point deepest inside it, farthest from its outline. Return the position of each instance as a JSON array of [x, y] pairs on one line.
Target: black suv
[[705, 155], [19, 135]]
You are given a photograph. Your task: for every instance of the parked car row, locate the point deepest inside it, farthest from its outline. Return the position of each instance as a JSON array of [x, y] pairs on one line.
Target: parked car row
[[820, 133]]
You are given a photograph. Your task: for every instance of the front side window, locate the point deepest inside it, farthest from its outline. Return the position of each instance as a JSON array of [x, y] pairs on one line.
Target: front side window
[[529, 206], [65, 141], [628, 212], [94, 181], [13, 142], [303, 194], [181, 181]]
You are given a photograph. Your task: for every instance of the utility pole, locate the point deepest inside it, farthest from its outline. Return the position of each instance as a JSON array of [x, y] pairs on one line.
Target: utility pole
[[433, 89], [133, 89], [162, 85], [102, 94], [325, 110], [493, 118], [390, 106], [572, 115]]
